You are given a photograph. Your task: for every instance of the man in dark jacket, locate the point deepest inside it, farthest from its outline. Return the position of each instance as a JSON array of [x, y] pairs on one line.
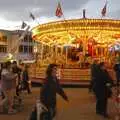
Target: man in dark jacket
[[102, 87]]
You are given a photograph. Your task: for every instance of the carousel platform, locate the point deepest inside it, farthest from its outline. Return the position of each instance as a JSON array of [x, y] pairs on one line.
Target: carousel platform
[[64, 83], [68, 77]]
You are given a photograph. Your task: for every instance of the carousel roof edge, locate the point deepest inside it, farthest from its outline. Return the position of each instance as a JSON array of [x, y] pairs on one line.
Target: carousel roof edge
[[81, 19]]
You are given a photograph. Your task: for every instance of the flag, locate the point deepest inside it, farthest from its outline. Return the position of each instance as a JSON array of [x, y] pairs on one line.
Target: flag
[[23, 25], [59, 12], [103, 12], [32, 16]]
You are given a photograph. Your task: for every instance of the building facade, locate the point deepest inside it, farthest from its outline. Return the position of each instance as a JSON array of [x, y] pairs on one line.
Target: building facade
[[20, 49]]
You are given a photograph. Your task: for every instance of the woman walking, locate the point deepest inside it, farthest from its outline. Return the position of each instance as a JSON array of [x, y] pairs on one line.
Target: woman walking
[[49, 90], [8, 79]]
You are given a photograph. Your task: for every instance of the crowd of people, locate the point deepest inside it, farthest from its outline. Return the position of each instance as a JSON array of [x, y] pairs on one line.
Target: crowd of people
[[101, 85], [12, 75], [14, 78]]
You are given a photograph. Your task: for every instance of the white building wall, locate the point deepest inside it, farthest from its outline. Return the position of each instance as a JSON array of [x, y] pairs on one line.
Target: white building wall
[[13, 44]]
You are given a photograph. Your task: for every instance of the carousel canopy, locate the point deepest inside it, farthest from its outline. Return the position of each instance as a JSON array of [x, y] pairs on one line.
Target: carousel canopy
[[98, 31]]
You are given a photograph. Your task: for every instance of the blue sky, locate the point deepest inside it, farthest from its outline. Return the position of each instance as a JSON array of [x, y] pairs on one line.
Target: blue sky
[[13, 12]]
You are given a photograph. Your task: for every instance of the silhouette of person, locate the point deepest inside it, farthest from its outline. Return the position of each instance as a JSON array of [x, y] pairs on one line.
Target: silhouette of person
[[49, 90]]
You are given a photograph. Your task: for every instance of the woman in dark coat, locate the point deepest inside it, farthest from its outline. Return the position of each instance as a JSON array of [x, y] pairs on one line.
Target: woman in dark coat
[[102, 90], [49, 89]]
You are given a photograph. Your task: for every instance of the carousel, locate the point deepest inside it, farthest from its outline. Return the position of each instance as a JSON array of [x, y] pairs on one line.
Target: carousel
[[73, 44]]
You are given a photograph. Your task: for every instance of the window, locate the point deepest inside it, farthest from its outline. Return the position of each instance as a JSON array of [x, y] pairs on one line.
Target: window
[[30, 49], [25, 49], [26, 38], [3, 48], [4, 38], [30, 38], [20, 48]]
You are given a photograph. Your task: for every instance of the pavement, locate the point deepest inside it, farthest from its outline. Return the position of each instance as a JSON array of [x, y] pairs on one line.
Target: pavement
[[81, 106]]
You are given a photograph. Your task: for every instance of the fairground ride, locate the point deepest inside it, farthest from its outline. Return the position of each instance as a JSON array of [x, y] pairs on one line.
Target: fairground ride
[[78, 40]]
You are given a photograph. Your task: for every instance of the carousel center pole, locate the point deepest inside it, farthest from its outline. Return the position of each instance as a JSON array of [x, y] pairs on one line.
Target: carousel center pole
[[42, 48], [56, 54], [66, 55]]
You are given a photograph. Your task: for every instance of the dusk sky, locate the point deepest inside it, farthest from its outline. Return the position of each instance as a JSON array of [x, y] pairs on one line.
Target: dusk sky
[[13, 12]]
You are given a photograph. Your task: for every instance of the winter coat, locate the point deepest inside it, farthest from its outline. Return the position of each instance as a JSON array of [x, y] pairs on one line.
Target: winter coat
[[49, 90]]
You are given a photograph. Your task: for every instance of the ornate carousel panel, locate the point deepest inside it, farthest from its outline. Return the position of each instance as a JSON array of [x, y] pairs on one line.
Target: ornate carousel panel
[[75, 31]]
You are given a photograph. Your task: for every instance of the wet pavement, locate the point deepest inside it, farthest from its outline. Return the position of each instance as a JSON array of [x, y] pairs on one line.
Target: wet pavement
[[81, 106]]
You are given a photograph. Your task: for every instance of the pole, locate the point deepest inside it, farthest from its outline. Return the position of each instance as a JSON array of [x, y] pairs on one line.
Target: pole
[[55, 53], [66, 54], [42, 48], [61, 51]]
